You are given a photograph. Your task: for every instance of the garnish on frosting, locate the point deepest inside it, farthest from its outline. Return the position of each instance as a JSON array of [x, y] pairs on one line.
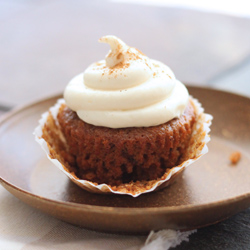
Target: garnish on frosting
[[126, 90]]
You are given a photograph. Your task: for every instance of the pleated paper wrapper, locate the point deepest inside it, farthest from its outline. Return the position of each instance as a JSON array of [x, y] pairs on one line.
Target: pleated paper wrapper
[[197, 147]]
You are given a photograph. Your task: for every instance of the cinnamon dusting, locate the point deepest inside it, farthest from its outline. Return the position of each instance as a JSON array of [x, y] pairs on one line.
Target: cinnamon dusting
[[119, 56], [118, 67], [139, 52]]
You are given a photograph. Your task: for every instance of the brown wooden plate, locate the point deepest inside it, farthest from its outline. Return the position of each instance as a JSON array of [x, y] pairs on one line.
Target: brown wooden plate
[[210, 190]]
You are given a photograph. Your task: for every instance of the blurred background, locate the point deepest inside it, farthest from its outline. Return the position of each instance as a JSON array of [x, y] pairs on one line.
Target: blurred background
[[44, 43]]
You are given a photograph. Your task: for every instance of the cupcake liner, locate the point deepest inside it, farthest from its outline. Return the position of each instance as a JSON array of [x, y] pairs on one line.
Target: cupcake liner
[[49, 128]]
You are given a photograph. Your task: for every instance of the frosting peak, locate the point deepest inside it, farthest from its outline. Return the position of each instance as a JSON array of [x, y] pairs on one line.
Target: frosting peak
[[116, 54], [126, 90], [124, 67]]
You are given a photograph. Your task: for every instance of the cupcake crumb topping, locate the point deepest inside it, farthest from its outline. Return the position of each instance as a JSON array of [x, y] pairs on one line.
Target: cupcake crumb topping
[[235, 157]]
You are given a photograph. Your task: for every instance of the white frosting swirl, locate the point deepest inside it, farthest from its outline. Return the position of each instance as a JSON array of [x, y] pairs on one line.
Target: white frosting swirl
[[126, 90]]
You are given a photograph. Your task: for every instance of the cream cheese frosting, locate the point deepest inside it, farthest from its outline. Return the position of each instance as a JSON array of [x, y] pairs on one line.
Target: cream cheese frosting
[[127, 89]]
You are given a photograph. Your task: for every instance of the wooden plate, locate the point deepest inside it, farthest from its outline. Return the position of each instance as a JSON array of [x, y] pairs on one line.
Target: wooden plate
[[209, 191]]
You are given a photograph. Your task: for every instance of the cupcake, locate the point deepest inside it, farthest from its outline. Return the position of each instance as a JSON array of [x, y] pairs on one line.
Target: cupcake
[[125, 125]]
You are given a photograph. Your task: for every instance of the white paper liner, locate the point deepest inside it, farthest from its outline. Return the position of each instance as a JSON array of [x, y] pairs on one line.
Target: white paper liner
[[139, 187]]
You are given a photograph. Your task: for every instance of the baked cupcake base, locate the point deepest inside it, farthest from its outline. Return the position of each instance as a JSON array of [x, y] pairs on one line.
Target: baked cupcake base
[[116, 156], [53, 139]]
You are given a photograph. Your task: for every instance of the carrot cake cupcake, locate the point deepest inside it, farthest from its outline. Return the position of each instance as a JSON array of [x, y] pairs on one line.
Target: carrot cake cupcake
[[126, 125]]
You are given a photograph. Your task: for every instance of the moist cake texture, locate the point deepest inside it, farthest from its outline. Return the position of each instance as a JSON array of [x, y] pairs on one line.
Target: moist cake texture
[[115, 156]]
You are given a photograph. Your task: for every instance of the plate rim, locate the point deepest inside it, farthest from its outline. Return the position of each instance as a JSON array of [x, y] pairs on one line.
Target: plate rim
[[131, 210]]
